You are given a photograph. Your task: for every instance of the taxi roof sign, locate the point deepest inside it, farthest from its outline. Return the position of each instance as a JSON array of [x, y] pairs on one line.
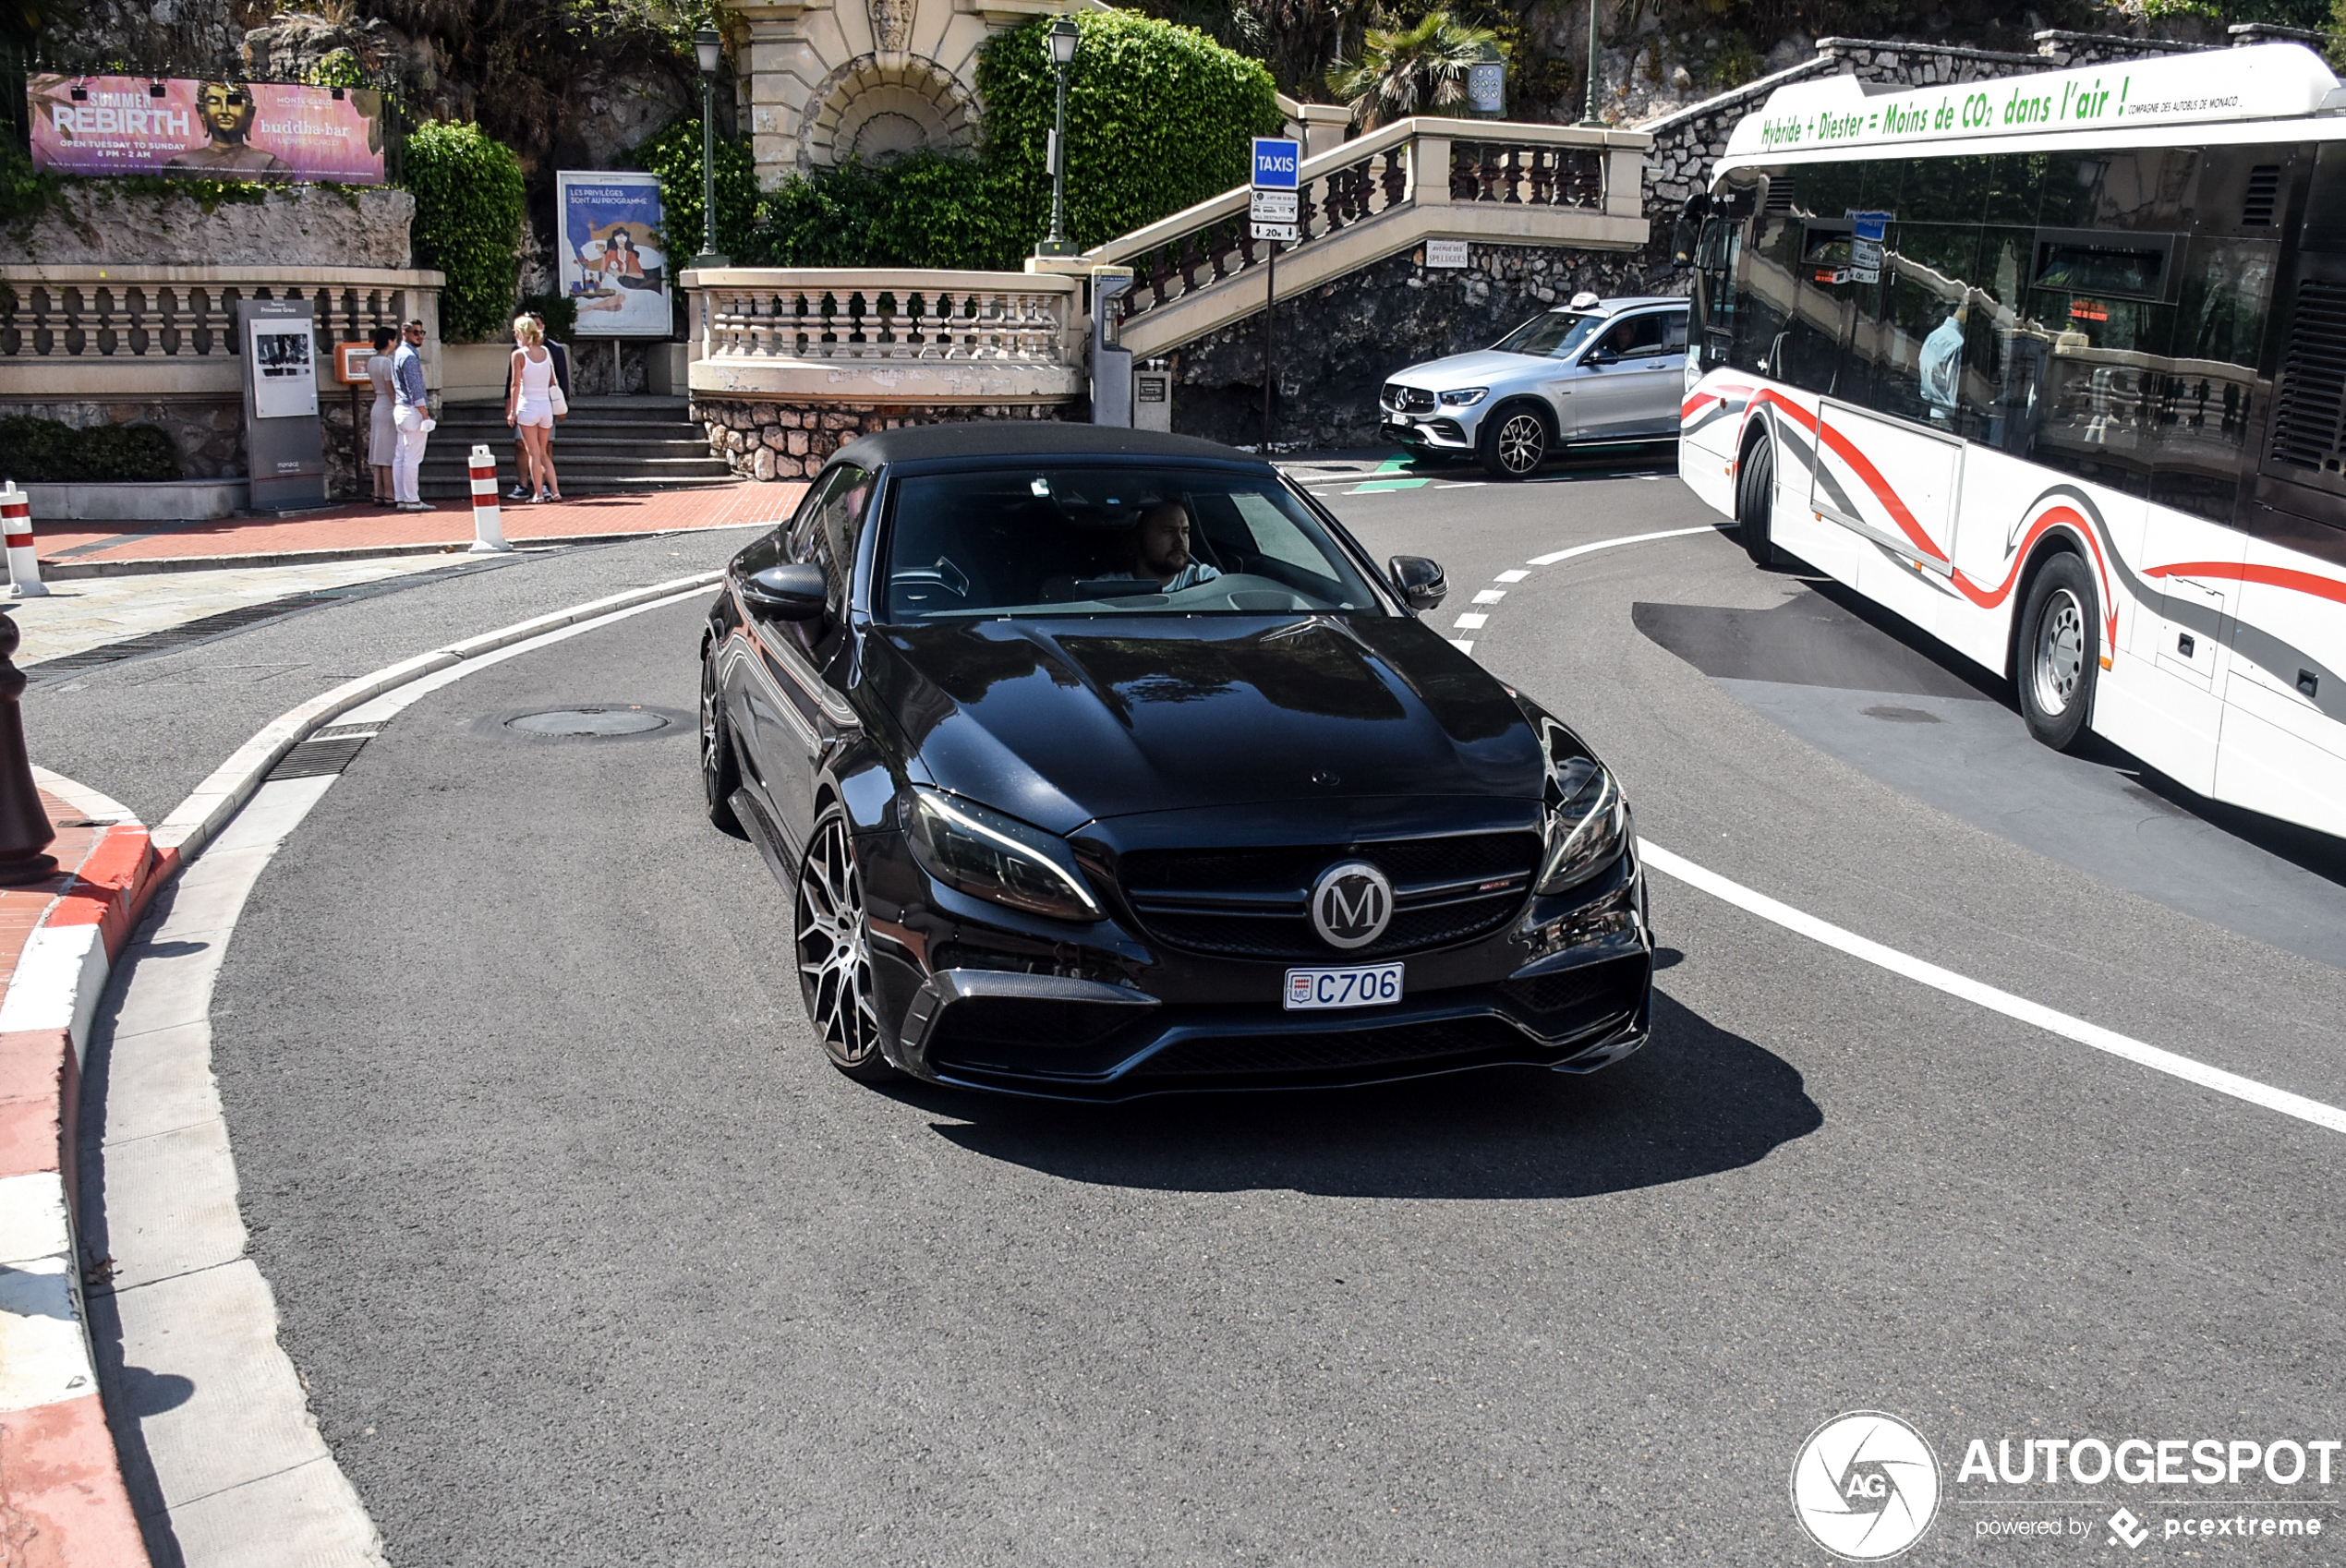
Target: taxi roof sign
[[1276, 159]]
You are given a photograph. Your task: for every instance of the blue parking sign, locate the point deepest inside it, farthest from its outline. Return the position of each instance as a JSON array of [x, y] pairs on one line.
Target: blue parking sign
[[1275, 160]]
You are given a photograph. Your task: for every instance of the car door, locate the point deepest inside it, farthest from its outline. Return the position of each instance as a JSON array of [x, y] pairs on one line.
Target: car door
[[1630, 378], [813, 655]]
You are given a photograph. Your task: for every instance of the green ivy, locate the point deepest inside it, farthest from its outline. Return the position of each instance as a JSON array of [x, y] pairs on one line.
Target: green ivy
[[560, 310], [1158, 117], [922, 211], [674, 155], [468, 218], [43, 451]]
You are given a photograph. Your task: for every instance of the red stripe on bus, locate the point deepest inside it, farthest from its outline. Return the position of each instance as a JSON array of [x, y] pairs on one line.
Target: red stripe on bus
[[1883, 491], [2270, 576], [1988, 599]]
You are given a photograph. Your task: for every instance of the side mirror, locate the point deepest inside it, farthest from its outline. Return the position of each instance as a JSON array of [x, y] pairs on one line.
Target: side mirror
[[1598, 358], [785, 593], [1420, 581]]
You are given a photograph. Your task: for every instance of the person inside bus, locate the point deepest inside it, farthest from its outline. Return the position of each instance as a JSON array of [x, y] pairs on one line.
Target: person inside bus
[[1941, 364]]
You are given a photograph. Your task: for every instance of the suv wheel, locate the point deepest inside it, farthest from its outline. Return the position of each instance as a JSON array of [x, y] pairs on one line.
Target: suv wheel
[[1515, 442]]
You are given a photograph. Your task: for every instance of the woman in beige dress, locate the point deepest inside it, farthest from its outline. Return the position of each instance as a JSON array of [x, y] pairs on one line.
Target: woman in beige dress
[[383, 435]]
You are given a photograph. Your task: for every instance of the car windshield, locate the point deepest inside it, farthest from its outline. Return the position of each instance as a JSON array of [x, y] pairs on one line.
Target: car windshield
[[1107, 540], [1557, 334]]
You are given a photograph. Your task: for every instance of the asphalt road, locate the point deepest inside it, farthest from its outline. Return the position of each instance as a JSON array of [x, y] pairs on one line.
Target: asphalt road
[[586, 1256]]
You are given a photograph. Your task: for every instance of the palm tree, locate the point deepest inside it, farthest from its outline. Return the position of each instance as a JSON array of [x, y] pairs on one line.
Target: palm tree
[[1400, 69]]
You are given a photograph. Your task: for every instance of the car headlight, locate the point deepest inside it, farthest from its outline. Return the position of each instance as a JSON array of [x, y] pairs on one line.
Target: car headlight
[[1464, 397], [1588, 830], [988, 855]]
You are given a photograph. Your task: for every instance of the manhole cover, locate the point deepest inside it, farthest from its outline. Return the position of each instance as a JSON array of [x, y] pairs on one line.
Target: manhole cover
[[586, 722]]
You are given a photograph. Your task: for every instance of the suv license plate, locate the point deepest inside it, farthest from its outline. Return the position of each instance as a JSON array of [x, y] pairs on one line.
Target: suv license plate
[[1355, 985]]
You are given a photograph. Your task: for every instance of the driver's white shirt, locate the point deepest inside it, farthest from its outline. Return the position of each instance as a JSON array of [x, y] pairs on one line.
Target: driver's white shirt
[[1190, 576]]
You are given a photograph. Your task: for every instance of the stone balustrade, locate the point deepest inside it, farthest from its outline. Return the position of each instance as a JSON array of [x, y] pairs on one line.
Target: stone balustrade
[[790, 363]]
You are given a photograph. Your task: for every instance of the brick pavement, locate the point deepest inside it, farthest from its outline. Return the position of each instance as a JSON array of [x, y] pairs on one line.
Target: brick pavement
[[367, 529]]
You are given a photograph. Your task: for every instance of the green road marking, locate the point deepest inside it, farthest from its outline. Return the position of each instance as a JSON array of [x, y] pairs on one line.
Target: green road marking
[[1390, 465]]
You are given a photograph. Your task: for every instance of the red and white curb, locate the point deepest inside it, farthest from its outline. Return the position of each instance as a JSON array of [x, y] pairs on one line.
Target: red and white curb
[[62, 1498], [240, 1463]]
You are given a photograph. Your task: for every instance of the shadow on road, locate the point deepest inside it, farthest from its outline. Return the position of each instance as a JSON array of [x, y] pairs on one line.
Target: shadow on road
[[1696, 1102]]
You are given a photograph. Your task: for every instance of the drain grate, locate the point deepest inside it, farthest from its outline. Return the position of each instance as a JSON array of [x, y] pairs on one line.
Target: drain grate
[[587, 723], [321, 755]]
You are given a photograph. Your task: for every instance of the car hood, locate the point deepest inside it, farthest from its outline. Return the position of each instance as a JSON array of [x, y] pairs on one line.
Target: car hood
[[1481, 368], [1063, 721]]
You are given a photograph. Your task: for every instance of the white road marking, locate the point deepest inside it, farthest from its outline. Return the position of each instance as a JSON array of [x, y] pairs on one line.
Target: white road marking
[[1470, 622], [1461, 484], [1515, 575], [1464, 645], [1555, 556], [1489, 596], [1982, 994]]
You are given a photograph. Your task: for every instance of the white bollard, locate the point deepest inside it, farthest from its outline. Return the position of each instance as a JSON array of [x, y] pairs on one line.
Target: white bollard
[[16, 521], [488, 532]]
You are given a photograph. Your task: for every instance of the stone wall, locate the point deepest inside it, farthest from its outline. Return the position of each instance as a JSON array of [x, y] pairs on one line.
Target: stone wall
[[774, 441], [209, 432], [301, 226], [1336, 345]]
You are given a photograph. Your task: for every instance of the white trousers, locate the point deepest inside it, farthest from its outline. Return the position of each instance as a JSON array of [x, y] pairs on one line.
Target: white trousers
[[409, 460]]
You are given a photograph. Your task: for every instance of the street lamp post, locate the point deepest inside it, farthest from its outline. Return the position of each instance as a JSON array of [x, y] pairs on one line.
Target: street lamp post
[[710, 47], [1060, 39], [1589, 114]]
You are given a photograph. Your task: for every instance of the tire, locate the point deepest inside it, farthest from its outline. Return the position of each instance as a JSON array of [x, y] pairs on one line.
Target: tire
[[1516, 439], [831, 937], [1755, 500], [2058, 658], [720, 773]]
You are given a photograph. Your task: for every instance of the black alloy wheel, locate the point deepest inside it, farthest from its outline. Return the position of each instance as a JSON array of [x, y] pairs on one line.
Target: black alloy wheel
[[1514, 441], [720, 773], [1755, 500], [2060, 652], [834, 943]]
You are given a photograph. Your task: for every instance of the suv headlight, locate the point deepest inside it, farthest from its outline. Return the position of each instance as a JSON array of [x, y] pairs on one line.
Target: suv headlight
[[1588, 830], [1464, 397], [988, 855]]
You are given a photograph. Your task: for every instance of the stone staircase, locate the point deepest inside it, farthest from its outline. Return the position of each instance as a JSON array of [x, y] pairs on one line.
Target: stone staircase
[[608, 444]]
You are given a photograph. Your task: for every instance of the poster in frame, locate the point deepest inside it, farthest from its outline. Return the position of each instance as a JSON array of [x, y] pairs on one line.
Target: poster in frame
[[177, 125], [614, 253]]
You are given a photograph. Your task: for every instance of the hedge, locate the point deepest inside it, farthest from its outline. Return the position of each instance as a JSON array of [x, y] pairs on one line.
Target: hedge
[[43, 451], [924, 211], [674, 155], [468, 218], [1158, 117]]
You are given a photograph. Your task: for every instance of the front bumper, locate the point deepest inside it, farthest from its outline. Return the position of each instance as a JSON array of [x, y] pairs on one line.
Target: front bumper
[[1445, 432], [968, 996]]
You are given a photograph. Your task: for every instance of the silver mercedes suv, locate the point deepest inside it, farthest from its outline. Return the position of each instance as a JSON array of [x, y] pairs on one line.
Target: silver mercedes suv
[[1592, 373]]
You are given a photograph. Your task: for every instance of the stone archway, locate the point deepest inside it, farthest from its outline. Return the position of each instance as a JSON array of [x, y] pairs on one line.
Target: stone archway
[[878, 108]]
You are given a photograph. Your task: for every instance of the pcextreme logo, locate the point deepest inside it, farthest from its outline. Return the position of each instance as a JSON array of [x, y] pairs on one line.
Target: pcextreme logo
[[1865, 1486]]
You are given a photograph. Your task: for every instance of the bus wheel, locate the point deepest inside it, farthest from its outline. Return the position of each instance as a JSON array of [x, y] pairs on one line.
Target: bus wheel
[[1755, 500], [2059, 653]]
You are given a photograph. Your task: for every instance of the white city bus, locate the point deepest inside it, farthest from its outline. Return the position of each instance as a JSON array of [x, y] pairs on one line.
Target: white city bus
[[2054, 367]]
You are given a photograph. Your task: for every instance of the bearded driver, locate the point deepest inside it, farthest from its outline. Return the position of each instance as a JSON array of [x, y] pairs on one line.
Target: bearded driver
[[1161, 549], [226, 112]]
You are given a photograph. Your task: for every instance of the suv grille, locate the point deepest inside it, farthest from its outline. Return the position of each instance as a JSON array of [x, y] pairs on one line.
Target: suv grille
[[1254, 903], [1407, 400]]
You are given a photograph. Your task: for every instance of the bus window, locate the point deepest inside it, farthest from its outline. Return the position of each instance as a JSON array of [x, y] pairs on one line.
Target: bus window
[[2014, 184], [1810, 355], [1943, 190], [1917, 344], [2087, 268], [2209, 390], [2115, 189], [2099, 403], [1764, 295]]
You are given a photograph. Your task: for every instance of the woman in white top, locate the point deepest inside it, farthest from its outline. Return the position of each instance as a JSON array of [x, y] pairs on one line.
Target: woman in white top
[[383, 433], [531, 409]]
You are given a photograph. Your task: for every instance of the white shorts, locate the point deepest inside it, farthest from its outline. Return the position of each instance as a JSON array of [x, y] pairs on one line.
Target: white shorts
[[537, 411]]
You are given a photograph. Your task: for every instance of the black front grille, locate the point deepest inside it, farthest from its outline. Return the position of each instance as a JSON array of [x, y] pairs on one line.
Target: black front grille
[[1270, 1054], [2311, 407], [1407, 400], [1572, 999], [1254, 903]]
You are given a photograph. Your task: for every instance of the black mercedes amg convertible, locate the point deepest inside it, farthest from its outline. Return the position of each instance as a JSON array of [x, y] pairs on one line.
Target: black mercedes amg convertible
[[1099, 764]]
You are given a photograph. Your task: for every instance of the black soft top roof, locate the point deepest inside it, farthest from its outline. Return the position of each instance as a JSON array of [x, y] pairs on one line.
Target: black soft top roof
[[1026, 438]]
